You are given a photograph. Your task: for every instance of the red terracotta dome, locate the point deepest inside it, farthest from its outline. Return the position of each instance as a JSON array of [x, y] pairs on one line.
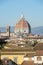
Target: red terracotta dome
[[22, 26], [22, 23]]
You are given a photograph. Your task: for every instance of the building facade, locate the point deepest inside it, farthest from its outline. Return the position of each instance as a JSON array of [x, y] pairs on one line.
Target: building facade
[[22, 47]]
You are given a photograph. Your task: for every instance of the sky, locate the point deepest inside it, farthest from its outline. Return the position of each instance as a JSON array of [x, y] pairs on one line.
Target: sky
[[11, 10]]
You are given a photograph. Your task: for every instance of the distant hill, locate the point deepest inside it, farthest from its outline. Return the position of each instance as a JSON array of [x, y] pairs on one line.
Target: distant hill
[[37, 30], [3, 29]]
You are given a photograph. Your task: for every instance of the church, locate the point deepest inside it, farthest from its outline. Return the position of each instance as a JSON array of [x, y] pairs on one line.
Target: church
[[23, 47]]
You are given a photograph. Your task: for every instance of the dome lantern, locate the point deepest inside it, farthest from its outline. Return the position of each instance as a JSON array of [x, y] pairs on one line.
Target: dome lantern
[[22, 16]]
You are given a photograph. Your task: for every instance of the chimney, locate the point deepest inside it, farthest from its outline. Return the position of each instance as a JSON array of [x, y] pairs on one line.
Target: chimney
[[26, 57]]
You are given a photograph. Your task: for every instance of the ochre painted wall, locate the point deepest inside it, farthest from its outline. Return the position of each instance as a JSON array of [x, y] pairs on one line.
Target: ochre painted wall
[[19, 58]]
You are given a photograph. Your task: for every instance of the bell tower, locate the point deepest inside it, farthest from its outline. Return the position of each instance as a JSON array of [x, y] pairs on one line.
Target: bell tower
[[8, 30]]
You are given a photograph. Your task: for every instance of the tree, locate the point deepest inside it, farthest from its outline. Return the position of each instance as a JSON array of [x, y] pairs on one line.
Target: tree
[[2, 43], [34, 43]]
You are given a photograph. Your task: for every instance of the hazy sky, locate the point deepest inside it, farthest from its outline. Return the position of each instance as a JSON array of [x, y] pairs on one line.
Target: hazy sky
[[11, 10]]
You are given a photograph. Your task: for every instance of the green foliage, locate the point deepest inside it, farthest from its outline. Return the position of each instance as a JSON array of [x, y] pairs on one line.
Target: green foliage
[[33, 44], [2, 44]]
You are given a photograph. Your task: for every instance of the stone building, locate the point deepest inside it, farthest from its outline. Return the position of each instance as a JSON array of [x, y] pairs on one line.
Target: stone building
[[22, 26], [21, 49]]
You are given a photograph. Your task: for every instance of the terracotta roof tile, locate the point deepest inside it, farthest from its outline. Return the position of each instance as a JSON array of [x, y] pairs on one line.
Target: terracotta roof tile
[[39, 52], [28, 63], [39, 46], [22, 23]]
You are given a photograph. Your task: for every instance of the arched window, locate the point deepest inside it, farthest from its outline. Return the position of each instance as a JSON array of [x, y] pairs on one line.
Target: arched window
[[39, 58]]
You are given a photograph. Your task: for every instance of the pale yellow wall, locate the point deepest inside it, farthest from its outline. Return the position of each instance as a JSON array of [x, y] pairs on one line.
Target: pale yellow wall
[[4, 34], [19, 58], [12, 34], [7, 33]]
